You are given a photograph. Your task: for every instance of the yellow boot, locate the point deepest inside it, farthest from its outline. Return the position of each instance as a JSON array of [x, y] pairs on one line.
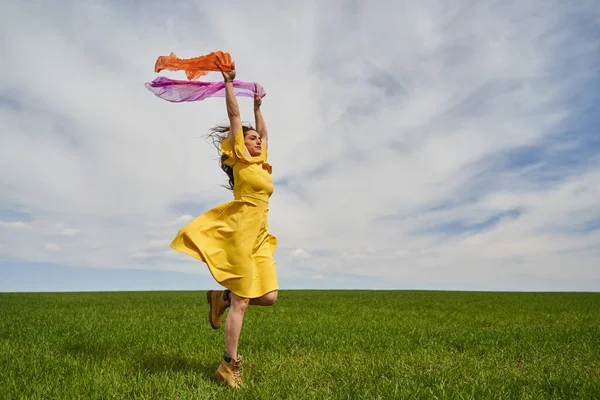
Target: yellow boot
[[218, 305], [230, 372]]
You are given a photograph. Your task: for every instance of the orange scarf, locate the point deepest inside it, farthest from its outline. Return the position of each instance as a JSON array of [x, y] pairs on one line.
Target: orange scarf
[[195, 67]]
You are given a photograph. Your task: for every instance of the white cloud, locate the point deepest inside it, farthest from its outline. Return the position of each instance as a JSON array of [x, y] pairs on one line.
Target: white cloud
[[183, 220], [298, 254], [391, 133], [370, 249], [70, 232], [15, 225], [51, 247], [158, 245]]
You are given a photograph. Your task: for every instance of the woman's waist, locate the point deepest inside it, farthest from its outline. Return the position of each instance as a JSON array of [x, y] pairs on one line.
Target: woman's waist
[[257, 199]]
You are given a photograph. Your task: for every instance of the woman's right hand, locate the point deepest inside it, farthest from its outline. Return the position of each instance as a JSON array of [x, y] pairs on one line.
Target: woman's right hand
[[257, 98], [229, 76]]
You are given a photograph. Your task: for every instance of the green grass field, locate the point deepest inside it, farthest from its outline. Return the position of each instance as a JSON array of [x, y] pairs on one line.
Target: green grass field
[[311, 345]]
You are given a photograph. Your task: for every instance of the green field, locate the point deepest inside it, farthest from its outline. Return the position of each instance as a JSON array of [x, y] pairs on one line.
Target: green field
[[311, 345]]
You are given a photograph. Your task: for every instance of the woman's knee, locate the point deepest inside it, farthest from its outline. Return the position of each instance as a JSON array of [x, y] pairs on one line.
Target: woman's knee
[[271, 298], [239, 303]]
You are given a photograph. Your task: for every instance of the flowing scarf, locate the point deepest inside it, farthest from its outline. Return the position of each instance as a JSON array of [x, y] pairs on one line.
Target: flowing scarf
[[195, 67], [177, 91]]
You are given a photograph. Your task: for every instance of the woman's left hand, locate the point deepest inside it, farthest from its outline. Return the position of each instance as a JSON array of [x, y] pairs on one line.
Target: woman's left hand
[[257, 99]]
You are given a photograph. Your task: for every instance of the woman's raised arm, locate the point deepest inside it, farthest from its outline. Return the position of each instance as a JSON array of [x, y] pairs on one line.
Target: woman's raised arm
[[261, 127], [233, 109]]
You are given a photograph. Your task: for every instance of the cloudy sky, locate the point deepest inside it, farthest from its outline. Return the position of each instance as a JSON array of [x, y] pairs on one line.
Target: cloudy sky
[[425, 145]]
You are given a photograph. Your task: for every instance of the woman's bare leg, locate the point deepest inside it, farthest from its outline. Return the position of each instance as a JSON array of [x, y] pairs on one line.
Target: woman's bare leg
[[235, 318], [233, 324], [268, 299]]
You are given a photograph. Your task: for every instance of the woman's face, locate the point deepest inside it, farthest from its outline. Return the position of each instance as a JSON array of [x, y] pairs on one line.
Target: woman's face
[[253, 143]]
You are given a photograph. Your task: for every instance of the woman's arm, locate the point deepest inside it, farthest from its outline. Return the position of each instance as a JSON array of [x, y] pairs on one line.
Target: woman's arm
[[261, 127], [233, 110]]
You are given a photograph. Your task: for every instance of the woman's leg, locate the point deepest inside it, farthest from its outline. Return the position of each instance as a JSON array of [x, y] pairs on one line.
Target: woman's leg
[[235, 317], [219, 301], [268, 299], [230, 368], [233, 324]]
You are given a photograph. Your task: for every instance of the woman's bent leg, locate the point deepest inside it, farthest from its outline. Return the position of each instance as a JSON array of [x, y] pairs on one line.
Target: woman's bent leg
[[268, 299]]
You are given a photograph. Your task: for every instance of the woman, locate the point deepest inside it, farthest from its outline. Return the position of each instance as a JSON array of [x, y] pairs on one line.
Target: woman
[[233, 238]]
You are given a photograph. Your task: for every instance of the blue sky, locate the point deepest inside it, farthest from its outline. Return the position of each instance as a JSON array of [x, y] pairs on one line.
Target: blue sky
[[432, 145]]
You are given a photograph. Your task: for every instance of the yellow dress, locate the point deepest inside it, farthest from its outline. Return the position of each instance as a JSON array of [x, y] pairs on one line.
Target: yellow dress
[[233, 238]]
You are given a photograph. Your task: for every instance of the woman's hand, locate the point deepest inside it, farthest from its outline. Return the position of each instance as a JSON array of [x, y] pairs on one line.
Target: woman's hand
[[257, 99], [229, 76], [259, 121]]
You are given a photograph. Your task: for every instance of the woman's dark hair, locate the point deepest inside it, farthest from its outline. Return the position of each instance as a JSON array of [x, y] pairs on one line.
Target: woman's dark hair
[[219, 133]]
